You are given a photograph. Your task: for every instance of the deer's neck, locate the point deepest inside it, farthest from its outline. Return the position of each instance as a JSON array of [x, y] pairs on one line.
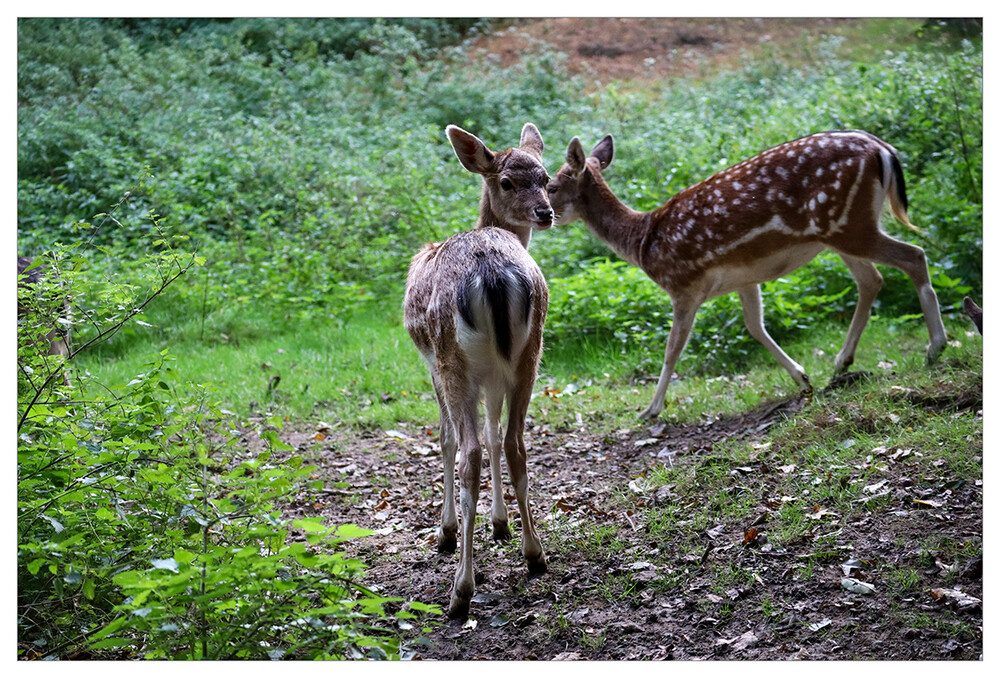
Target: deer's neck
[[617, 225], [488, 217]]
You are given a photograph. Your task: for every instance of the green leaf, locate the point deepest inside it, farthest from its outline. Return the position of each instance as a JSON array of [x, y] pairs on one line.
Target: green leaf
[[351, 531], [108, 643], [310, 525]]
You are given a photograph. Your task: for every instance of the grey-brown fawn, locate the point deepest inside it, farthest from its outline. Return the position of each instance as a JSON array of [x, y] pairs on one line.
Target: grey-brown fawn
[[475, 308], [754, 222]]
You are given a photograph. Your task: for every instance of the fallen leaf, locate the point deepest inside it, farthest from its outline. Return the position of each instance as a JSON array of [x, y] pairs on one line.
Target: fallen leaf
[[960, 599], [739, 643], [819, 512], [566, 656], [875, 487], [499, 620], [850, 565], [819, 625], [564, 505], [857, 586]]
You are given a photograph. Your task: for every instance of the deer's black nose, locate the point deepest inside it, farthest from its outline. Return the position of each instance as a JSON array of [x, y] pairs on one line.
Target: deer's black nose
[[544, 214]]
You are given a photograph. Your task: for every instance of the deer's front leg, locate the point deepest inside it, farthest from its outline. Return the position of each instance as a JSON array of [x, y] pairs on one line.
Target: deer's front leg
[[680, 330], [753, 317]]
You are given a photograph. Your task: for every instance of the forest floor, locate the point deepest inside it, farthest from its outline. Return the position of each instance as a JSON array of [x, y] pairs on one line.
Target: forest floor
[[615, 587], [618, 587]]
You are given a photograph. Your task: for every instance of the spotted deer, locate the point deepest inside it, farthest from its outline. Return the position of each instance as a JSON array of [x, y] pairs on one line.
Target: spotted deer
[[475, 308], [754, 222]]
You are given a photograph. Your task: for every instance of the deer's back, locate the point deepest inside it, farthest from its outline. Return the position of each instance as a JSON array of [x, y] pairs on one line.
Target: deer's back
[[455, 288], [801, 194]]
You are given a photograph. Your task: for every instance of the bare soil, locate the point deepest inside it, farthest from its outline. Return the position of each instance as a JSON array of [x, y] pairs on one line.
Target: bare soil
[[635, 594], [642, 49], [639, 595]]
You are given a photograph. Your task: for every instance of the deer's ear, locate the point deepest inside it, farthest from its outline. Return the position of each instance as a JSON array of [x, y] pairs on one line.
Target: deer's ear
[[531, 140], [471, 152], [604, 151], [576, 158]]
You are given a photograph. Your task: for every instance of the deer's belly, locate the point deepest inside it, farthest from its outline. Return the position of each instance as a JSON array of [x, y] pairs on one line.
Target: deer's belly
[[729, 278]]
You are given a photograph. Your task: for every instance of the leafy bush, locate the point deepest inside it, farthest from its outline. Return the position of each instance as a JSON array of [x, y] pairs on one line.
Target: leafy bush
[[146, 528]]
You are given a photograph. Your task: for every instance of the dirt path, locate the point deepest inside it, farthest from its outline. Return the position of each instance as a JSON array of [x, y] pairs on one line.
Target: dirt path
[[618, 589]]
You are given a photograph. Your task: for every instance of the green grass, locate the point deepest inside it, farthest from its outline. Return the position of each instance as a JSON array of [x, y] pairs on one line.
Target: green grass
[[365, 372]]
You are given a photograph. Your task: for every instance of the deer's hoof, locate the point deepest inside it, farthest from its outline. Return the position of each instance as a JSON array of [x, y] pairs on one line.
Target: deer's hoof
[[501, 532], [934, 352], [447, 540], [459, 608], [538, 565], [649, 413]]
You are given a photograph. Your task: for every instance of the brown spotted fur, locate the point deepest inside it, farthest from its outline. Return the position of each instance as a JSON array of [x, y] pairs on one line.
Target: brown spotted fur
[[755, 222]]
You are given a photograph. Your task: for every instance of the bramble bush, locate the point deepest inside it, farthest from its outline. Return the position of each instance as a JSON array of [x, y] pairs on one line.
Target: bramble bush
[[145, 527]]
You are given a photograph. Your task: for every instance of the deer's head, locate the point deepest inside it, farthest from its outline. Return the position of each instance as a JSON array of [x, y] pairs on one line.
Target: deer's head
[[578, 176], [514, 195]]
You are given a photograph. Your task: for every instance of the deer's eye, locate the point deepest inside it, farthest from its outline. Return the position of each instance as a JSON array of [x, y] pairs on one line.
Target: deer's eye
[[552, 188], [506, 184]]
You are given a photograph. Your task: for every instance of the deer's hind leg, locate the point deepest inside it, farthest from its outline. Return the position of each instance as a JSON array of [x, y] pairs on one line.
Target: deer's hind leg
[[491, 436], [447, 535], [463, 402], [869, 282], [517, 457]]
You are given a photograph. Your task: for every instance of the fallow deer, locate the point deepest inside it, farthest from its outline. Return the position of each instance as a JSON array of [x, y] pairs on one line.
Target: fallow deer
[[475, 308], [754, 222]]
